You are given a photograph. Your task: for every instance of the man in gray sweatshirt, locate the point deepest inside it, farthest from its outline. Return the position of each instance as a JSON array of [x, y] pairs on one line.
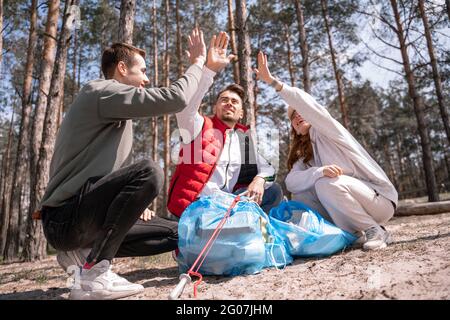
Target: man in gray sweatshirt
[[95, 196]]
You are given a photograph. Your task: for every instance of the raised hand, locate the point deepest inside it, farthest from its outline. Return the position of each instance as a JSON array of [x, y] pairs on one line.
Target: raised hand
[[197, 47], [217, 53], [263, 73]]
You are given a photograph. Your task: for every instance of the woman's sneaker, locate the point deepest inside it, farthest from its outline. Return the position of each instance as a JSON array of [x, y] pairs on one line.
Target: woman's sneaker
[[100, 283], [376, 238]]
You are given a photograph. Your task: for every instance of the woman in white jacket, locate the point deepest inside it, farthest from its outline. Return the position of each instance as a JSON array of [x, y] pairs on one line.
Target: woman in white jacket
[[330, 171]]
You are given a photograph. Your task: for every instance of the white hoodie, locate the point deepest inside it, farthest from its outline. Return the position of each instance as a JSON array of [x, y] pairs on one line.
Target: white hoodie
[[332, 144]]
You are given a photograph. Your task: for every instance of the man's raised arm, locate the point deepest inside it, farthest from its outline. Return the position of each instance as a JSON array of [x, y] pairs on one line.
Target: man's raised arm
[[119, 101], [189, 121]]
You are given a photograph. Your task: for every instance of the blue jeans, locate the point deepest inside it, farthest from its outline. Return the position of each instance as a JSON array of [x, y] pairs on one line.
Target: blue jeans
[[271, 198]]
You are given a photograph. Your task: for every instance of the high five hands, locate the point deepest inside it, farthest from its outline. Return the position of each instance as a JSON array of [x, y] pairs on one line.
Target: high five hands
[[197, 47], [217, 57], [217, 53], [262, 72]]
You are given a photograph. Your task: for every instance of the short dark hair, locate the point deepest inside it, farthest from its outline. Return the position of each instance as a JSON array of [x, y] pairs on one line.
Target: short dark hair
[[118, 52], [239, 90]]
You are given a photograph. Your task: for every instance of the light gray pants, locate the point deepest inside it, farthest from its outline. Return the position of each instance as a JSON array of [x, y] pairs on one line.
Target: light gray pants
[[348, 202]]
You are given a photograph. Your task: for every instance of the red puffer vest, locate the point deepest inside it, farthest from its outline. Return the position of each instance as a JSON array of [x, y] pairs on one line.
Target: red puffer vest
[[197, 162]]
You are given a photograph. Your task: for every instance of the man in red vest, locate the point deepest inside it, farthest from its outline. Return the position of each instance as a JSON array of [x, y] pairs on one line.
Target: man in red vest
[[217, 153]]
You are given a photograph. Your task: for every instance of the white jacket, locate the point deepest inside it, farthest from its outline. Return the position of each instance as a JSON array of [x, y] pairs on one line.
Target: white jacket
[[332, 144]]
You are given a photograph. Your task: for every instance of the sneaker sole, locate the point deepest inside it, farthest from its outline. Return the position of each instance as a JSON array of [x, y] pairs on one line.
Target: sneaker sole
[[80, 294]]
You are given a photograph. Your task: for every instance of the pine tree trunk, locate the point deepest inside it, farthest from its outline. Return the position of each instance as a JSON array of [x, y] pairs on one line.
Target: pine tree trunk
[[427, 156], [51, 122], [166, 117], [232, 31], [303, 46], [155, 84], [401, 166], [22, 144], [245, 70], [48, 61], [126, 21], [35, 242], [447, 165], [389, 167], [179, 41], [1, 34], [74, 66], [79, 67], [436, 75], [6, 189], [195, 5], [287, 36], [103, 42], [447, 4], [337, 73]]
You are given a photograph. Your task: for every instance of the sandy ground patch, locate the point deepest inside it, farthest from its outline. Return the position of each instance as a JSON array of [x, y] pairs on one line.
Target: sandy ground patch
[[415, 266]]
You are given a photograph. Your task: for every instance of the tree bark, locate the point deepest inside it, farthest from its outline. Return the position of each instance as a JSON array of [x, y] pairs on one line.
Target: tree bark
[[245, 70], [303, 46], [51, 123], [179, 40], [74, 66], [389, 167], [287, 37], [6, 189], [166, 117], [447, 4], [126, 21], [79, 67], [427, 156], [48, 61], [22, 144], [155, 84], [436, 74], [232, 31], [337, 73], [1, 34]]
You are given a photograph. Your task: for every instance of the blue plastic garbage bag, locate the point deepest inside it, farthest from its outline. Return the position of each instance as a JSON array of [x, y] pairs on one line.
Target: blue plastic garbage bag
[[306, 233], [246, 244]]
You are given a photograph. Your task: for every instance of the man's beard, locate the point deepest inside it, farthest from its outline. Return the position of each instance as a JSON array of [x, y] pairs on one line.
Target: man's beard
[[231, 118]]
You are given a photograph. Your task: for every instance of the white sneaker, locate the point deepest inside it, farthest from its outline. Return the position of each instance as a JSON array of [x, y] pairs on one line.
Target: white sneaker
[[359, 242], [376, 238], [100, 283], [75, 257]]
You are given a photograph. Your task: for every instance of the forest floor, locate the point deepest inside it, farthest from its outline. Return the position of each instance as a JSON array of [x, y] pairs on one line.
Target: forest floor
[[416, 265]]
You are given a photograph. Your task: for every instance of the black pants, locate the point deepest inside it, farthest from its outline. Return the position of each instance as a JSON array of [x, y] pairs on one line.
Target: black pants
[[104, 216]]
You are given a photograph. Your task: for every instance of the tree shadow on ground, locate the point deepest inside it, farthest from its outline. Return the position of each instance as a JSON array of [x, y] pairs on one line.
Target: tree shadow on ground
[[427, 238], [170, 276]]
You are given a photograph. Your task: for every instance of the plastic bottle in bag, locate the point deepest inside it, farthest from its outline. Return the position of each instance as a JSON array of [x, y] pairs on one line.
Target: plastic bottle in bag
[[310, 222]]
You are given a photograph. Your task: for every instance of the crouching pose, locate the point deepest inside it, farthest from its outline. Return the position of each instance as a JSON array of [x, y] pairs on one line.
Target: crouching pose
[[330, 171], [95, 197]]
